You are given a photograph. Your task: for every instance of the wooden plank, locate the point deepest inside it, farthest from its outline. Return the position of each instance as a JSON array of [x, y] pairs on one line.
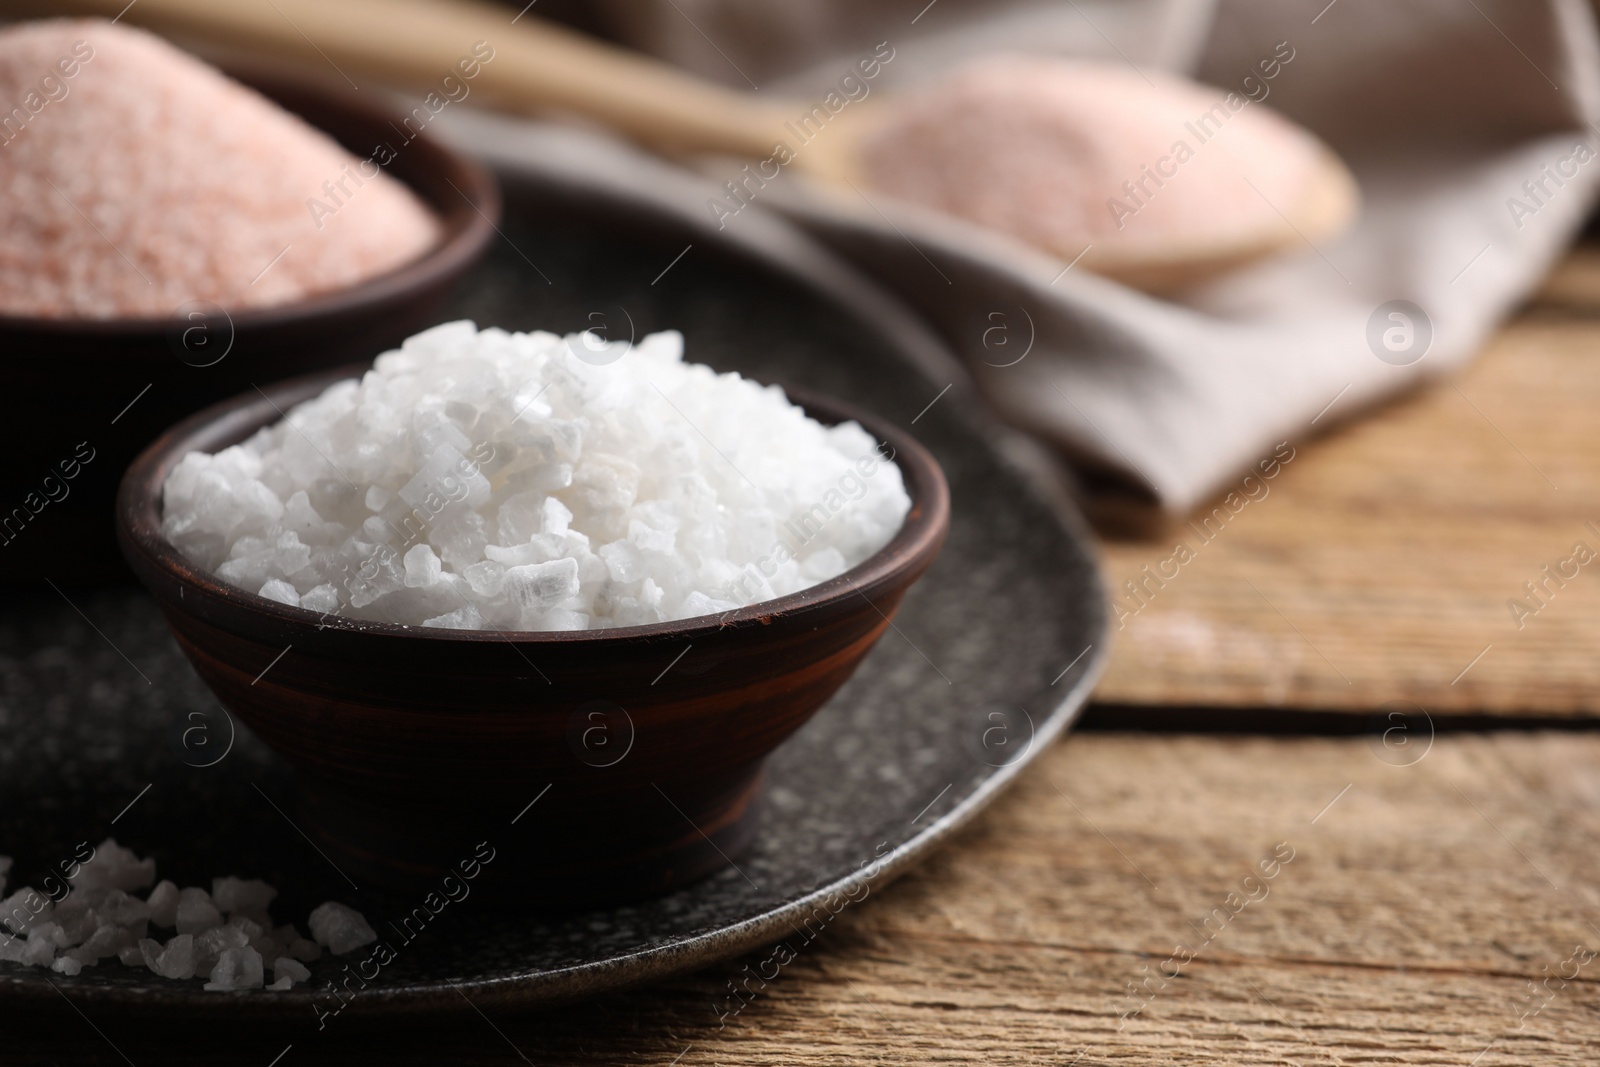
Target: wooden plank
[[1418, 902], [1382, 561]]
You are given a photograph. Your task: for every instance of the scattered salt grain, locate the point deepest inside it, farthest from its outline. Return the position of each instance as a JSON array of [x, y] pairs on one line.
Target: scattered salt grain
[[196, 912], [175, 959], [238, 968], [286, 972], [25, 908], [340, 928], [41, 945], [212, 943], [298, 947], [154, 180], [115, 867], [123, 910], [107, 940], [244, 896], [1041, 149], [97, 919], [497, 480], [163, 904]]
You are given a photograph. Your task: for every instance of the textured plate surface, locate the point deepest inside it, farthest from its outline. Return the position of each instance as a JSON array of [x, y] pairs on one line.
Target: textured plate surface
[[990, 658]]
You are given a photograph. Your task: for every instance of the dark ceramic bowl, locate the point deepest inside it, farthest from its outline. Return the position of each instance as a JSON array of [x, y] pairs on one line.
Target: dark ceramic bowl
[[630, 759], [103, 389]]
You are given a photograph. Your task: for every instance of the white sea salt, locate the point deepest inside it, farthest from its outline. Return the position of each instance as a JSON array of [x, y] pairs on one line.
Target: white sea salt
[[477, 479], [41, 945], [123, 910], [213, 943], [100, 917], [237, 968], [26, 908], [246, 896], [340, 928], [286, 972], [175, 959], [196, 913], [298, 947], [115, 867], [163, 904], [108, 939]]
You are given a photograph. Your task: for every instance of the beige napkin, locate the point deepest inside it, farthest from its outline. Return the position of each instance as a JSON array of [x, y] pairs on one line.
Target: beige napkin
[[1462, 120]]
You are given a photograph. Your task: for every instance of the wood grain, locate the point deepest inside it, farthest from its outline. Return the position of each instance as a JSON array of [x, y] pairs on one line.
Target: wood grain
[[1381, 563], [1419, 901]]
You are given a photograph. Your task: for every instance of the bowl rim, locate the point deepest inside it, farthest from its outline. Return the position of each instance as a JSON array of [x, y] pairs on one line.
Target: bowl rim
[[463, 229], [156, 560]]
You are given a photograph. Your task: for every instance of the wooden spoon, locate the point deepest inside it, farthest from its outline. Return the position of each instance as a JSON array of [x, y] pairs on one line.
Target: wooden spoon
[[540, 68]]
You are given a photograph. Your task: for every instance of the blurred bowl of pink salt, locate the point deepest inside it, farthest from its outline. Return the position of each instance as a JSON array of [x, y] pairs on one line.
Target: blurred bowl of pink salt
[[1149, 178], [170, 236]]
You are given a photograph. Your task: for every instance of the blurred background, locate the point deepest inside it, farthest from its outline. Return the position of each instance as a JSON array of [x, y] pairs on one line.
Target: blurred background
[[1288, 309]]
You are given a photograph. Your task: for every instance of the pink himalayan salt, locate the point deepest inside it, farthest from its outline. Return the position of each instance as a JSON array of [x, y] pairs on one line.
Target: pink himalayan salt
[[156, 180], [1041, 149]]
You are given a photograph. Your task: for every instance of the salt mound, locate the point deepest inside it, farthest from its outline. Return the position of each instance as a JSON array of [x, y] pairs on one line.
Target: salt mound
[[531, 482], [1042, 149], [145, 179]]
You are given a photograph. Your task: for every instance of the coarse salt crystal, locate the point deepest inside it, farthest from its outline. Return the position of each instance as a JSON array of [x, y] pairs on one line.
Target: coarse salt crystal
[[281, 591], [115, 867], [209, 945], [342, 929], [237, 968], [41, 944], [247, 896], [25, 908], [175, 959], [163, 904], [286, 972], [196, 913]]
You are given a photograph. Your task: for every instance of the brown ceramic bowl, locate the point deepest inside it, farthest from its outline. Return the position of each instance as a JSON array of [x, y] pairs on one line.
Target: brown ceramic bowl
[[105, 388], [639, 749]]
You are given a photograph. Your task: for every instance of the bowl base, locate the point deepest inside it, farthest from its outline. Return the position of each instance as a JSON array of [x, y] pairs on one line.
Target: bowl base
[[554, 855]]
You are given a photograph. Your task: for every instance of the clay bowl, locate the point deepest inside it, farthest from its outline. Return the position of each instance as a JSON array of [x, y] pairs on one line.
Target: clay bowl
[[103, 389], [639, 749]]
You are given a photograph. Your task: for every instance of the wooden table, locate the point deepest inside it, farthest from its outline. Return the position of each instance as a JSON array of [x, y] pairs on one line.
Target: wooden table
[[1418, 903], [1381, 564], [1433, 896]]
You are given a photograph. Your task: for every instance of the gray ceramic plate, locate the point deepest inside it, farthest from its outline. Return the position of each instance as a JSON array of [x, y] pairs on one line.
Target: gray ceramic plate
[[104, 729]]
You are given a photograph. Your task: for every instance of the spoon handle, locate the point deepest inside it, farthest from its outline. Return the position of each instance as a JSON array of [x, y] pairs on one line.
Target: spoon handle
[[537, 67]]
